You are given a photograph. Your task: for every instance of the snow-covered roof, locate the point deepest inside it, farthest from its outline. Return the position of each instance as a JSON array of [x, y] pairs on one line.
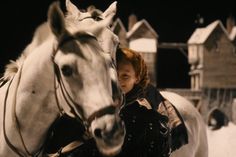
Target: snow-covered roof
[[232, 34], [200, 35], [118, 23], [138, 25], [144, 45]]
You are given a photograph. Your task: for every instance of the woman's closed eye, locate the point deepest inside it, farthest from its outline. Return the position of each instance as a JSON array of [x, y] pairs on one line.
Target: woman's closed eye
[[125, 77]]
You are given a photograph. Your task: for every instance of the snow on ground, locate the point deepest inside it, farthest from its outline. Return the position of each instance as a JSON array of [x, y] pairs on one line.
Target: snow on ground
[[222, 142]]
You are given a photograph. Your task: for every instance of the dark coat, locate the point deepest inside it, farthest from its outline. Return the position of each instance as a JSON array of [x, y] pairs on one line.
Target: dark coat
[[147, 134]]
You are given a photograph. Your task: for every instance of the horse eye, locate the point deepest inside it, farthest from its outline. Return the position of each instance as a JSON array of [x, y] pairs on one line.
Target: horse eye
[[67, 70]]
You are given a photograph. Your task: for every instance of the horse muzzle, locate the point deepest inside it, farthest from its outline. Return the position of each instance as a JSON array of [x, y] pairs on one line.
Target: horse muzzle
[[108, 132]]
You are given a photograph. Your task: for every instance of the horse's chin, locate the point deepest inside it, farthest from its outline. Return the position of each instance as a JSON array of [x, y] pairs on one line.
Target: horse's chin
[[109, 151]]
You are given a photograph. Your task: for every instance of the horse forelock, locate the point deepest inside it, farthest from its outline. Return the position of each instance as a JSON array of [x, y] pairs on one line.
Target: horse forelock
[[76, 18]]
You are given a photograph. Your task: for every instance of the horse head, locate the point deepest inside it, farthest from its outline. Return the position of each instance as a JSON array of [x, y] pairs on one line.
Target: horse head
[[89, 20], [83, 79]]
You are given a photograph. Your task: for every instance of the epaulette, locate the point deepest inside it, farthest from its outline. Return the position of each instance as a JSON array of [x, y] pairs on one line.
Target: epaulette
[[144, 102]]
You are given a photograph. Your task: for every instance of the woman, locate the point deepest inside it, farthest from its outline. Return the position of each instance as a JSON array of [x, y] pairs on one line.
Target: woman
[[147, 133]]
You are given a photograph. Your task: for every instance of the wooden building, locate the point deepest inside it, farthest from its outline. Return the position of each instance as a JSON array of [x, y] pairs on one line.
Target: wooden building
[[212, 56]]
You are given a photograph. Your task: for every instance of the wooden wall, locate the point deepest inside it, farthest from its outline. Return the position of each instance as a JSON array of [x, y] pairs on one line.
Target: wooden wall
[[219, 62]]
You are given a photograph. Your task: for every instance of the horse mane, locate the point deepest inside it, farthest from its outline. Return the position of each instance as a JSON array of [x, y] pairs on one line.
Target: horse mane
[[41, 33], [94, 11]]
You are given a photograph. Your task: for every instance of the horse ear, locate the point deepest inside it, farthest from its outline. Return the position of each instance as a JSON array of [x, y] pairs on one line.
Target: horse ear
[[110, 10], [71, 8], [56, 20]]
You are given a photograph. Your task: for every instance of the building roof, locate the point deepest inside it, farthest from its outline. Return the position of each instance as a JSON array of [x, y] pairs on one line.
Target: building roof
[[232, 34], [118, 23], [200, 35], [140, 25]]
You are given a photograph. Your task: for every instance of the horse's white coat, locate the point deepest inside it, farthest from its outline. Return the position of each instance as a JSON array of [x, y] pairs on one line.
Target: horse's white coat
[[196, 128]]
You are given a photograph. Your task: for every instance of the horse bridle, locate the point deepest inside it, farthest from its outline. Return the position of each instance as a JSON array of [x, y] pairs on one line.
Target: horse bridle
[[75, 108]]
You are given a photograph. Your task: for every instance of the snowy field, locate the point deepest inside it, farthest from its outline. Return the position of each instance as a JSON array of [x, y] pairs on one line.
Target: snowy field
[[222, 142]]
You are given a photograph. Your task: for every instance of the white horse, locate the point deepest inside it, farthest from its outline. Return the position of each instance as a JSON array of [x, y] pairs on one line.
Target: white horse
[[196, 128], [66, 74]]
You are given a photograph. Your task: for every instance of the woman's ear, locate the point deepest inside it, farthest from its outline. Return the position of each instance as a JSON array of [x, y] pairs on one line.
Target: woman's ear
[[137, 80]]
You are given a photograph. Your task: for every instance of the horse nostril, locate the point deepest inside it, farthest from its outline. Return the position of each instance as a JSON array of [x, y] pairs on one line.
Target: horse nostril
[[98, 133]]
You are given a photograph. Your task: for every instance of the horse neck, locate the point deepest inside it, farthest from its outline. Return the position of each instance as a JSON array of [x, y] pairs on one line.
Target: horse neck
[[31, 98]]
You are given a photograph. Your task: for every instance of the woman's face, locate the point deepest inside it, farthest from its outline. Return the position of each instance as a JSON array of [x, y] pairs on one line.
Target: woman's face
[[126, 76]]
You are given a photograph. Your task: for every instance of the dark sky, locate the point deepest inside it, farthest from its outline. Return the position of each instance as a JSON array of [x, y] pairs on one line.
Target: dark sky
[[173, 20]]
